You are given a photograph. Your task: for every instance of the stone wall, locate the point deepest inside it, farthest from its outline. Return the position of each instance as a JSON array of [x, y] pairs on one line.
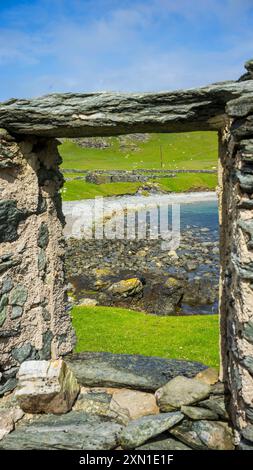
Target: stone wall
[[33, 319], [236, 303]]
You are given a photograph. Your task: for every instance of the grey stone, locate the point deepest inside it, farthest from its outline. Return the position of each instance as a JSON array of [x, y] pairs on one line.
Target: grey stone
[[19, 295], [9, 385], [43, 236], [249, 414], [10, 216], [218, 388], [45, 352], [16, 312], [245, 180], [245, 445], [187, 434], [163, 442], [217, 405], [247, 226], [3, 308], [197, 413], [181, 391], [240, 107], [42, 260], [247, 331], [6, 286], [10, 333], [22, 353], [73, 431], [248, 363], [101, 114], [128, 370], [204, 434], [8, 261], [140, 430], [248, 432]]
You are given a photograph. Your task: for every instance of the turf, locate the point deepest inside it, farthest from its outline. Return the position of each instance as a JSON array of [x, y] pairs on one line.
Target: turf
[[120, 330], [187, 150]]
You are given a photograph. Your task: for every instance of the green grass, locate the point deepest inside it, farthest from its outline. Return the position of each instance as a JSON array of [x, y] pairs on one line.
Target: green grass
[[120, 330], [189, 181], [76, 190], [188, 150]]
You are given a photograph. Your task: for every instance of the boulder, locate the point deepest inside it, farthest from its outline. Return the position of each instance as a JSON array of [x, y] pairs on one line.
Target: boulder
[[72, 431], [141, 430], [46, 387], [99, 369], [137, 404], [126, 288], [181, 391]]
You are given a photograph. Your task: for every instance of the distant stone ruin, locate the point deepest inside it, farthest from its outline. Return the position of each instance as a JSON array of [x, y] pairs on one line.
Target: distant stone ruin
[[34, 323]]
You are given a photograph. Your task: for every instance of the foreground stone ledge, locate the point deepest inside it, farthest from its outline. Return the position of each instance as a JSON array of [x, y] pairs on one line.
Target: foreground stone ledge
[[92, 114], [46, 387], [147, 373]]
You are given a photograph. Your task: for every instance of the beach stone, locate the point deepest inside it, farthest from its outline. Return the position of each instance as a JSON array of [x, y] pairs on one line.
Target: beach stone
[[137, 403], [208, 376], [98, 369], [46, 387], [163, 442], [126, 287], [75, 430], [88, 302], [181, 391], [139, 431], [197, 413]]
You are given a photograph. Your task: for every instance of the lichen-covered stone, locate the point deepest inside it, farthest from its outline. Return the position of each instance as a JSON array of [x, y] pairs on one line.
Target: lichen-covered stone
[[46, 387], [139, 431], [45, 352], [181, 391], [163, 442], [197, 413], [217, 405], [19, 295], [203, 435], [42, 260], [73, 431]]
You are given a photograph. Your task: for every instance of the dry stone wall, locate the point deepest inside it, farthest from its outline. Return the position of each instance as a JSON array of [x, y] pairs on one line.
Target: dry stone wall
[[33, 321]]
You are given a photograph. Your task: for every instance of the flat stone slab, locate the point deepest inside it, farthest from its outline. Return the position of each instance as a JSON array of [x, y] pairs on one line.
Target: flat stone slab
[[163, 442], [139, 431], [102, 369], [74, 431]]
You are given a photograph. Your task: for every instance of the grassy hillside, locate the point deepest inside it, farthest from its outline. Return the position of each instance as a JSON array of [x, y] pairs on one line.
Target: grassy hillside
[[191, 150], [120, 330], [195, 150]]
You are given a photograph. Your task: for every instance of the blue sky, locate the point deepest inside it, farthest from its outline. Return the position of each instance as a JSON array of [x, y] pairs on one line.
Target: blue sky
[[139, 45]]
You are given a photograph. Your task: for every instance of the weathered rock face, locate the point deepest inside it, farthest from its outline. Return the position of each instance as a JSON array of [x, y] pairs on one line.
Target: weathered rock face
[[125, 370], [236, 153], [100, 114], [46, 387], [33, 320], [74, 431]]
